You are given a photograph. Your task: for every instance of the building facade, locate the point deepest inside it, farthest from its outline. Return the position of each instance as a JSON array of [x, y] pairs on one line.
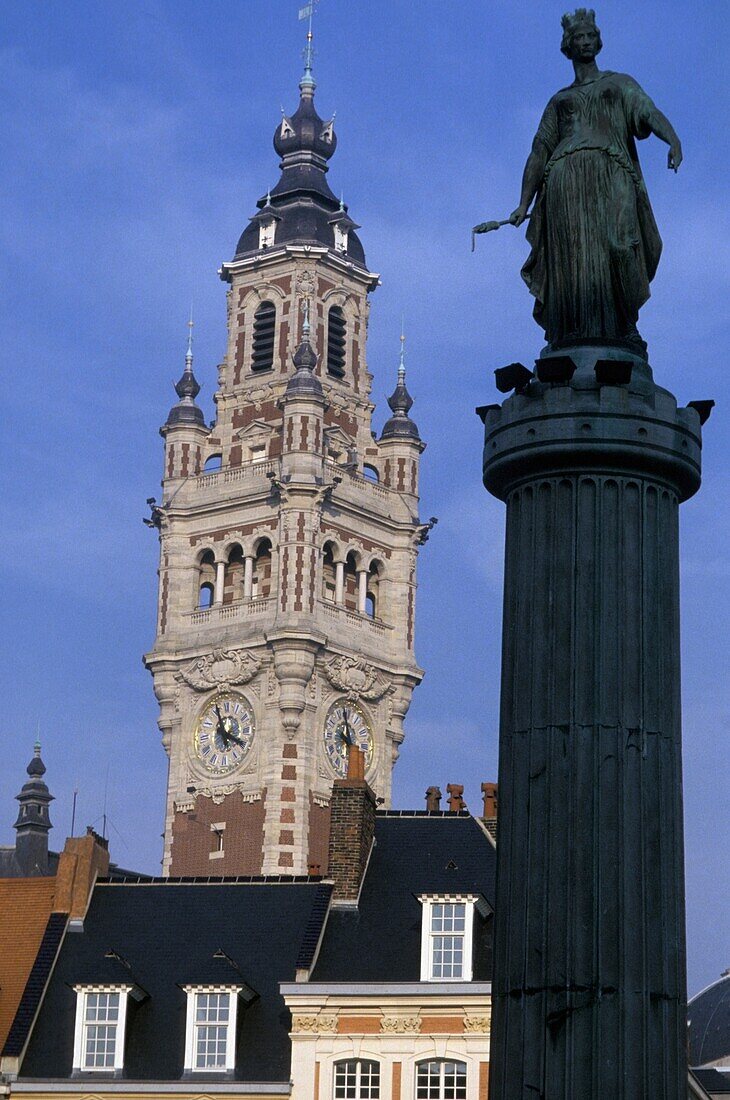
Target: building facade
[[288, 543]]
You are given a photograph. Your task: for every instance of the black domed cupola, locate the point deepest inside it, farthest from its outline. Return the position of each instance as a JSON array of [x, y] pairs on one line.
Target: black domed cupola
[[306, 133], [302, 209]]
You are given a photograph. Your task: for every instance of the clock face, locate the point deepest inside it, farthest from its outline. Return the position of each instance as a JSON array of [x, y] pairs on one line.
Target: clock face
[[224, 733], [341, 718]]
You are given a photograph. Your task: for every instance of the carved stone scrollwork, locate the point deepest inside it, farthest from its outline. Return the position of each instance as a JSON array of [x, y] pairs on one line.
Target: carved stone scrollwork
[[477, 1024], [219, 668], [357, 678], [218, 793], [315, 1025], [401, 1025]]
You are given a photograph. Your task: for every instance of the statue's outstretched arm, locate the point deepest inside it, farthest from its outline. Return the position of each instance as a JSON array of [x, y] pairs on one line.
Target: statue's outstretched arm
[[531, 179], [662, 127]]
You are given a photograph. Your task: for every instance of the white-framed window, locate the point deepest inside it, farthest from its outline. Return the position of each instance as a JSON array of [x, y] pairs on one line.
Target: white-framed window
[[267, 233], [447, 938], [210, 1031], [440, 1079], [357, 1079], [101, 1018]]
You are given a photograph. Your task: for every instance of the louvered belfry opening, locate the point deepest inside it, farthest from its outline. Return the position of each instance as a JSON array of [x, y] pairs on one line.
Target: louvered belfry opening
[[264, 324], [336, 339]]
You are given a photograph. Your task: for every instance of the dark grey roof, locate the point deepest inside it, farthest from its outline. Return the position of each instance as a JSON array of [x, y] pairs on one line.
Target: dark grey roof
[[163, 934], [414, 853], [11, 868], [302, 203], [709, 1024], [712, 1081]]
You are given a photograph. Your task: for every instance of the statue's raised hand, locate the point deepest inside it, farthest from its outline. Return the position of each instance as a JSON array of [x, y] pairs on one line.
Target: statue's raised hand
[[674, 157]]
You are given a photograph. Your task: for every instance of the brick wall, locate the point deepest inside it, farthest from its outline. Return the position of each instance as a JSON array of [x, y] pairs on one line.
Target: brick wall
[[193, 840], [352, 825]]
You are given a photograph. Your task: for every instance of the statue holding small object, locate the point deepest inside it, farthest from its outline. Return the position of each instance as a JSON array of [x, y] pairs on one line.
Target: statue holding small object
[[595, 244]]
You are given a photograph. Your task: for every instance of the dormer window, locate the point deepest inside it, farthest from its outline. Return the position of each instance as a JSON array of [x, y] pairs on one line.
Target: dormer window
[[267, 233], [101, 1015], [210, 1033], [447, 938], [340, 239]]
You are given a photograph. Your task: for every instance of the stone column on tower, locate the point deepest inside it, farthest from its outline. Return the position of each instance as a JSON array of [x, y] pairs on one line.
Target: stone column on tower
[[288, 544], [593, 460]]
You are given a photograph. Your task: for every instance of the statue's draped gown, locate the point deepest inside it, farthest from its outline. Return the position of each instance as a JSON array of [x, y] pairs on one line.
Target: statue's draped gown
[[595, 244]]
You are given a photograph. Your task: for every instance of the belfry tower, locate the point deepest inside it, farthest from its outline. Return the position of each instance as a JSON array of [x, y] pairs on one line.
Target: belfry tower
[[288, 543]]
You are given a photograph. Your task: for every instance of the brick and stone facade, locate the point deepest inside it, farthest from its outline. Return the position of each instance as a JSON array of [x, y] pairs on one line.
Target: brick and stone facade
[[303, 541]]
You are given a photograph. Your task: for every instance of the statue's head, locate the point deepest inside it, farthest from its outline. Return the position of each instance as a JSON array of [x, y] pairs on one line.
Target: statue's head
[[581, 36]]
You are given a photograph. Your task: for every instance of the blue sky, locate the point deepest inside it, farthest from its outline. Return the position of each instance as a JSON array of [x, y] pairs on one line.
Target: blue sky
[[136, 139]]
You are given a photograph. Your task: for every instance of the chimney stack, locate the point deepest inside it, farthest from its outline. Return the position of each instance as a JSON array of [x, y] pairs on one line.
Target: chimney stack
[[352, 829], [455, 792], [433, 799], [490, 791], [82, 861]]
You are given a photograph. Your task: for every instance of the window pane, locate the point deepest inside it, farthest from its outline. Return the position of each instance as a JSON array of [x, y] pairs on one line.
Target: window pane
[[100, 1045], [357, 1080], [441, 1081]]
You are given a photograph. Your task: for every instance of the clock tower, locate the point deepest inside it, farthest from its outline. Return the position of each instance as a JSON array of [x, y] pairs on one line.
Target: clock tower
[[288, 543]]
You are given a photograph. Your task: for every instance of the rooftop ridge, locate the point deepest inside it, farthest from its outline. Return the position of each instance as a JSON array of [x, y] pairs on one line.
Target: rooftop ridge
[[210, 880], [423, 813]]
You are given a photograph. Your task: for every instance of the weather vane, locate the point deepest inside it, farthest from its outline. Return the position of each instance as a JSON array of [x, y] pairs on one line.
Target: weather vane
[[307, 12]]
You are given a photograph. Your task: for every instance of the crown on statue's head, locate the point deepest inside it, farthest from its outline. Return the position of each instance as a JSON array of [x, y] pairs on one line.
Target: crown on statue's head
[[581, 17]]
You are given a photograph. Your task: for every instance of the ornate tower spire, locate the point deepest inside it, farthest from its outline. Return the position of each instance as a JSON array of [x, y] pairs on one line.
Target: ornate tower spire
[[187, 389], [288, 543], [33, 822], [400, 425]]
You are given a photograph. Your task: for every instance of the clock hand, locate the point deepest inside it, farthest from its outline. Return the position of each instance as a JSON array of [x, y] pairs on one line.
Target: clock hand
[[221, 727]]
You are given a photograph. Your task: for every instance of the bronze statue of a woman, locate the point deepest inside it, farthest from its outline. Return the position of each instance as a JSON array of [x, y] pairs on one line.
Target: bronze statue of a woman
[[595, 244]]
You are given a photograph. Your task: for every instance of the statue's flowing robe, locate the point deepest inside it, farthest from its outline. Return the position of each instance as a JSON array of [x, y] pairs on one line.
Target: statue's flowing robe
[[595, 244]]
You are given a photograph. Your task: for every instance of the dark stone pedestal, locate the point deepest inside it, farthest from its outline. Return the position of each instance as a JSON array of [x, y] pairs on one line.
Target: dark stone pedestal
[[589, 984]]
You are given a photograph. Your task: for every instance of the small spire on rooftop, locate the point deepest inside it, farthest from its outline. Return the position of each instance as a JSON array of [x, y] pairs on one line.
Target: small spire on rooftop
[[400, 425]]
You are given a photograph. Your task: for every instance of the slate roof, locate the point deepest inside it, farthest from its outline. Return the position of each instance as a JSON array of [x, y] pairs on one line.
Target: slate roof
[[414, 853], [714, 1082], [709, 1024], [164, 934]]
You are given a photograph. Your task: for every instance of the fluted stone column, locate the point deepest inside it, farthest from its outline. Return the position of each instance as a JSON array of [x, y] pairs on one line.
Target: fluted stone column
[[589, 974]]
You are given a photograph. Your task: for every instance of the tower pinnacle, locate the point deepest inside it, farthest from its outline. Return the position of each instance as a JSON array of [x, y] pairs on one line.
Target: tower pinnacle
[[400, 425], [187, 389]]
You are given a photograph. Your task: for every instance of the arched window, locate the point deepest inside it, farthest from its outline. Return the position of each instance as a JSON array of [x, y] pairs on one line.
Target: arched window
[[441, 1080], [336, 340], [371, 473], [264, 325], [212, 463], [374, 590], [261, 587], [357, 1079], [329, 574], [233, 576], [351, 566], [206, 580]]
